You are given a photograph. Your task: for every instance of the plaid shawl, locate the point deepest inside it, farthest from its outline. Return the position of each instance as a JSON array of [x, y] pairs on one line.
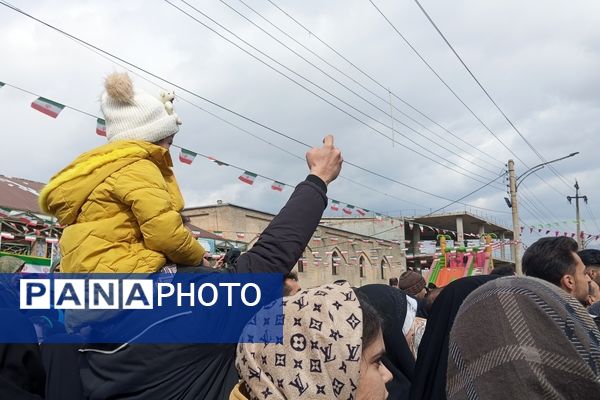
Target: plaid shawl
[[523, 338]]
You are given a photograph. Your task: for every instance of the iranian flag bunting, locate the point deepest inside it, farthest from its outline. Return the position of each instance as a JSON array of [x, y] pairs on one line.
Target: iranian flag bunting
[[378, 217], [240, 235], [247, 177], [348, 209], [219, 163], [335, 205], [4, 212], [218, 233], [186, 156], [6, 235], [100, 127], [51, 240], [362, 211], [277, 186], [30, 238], [47, 106]]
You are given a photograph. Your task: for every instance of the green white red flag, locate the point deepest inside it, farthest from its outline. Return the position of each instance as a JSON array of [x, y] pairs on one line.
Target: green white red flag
[[4, 212], [248, 177], [335, 205], [30, 238], [218, 233], [277, 186], [362, 211], [348, 209], [186, 156], [240, 235], [47, 106], [51, 240], [6, 235], [100, 127]]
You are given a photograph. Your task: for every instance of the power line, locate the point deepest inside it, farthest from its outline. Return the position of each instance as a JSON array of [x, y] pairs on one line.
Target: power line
[[194, 94], [468, 194], [353, 80], [454, 92], [444, 82], [489, 96], [380, 84], [321, 88]]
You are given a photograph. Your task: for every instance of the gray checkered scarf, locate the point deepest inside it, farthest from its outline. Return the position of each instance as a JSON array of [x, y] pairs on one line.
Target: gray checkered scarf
[[319, 354], [523, 338]]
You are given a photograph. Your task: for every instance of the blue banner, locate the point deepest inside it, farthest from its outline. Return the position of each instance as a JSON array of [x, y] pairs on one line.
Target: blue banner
[[140, 308]]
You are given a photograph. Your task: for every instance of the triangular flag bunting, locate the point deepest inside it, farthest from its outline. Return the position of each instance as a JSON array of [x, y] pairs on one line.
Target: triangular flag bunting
[[378, 217], [47, 106], [219, 163], [218, 233], [51, 240], [348, 209], [240, 235], [187, 156], [277, 186], [335, 205], [362, 211], [4, 212], [30, 238], [6, 235], [248, 177], [100, 127]]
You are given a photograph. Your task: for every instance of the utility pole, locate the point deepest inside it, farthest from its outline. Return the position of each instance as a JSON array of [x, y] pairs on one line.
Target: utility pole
[[516, 247], [577, 197]]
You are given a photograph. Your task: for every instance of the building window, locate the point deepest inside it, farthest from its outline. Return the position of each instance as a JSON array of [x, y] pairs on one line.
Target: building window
[[335, 260], [382, 271], [361, 266]]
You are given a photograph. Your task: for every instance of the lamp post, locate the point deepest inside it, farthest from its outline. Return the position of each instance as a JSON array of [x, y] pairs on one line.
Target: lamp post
[[514, 183]]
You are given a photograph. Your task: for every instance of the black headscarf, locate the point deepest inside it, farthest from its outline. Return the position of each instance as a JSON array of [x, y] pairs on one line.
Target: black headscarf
[[430, 369], [390, 303]]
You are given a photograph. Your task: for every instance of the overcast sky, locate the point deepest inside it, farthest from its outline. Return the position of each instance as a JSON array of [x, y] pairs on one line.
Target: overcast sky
[[538, 59]]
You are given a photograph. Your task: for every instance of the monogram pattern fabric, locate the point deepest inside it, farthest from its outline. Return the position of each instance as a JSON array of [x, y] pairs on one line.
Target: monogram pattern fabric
[[319, 354]]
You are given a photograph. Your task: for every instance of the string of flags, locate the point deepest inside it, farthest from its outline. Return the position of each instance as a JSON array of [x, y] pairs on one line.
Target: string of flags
[[582, 234]]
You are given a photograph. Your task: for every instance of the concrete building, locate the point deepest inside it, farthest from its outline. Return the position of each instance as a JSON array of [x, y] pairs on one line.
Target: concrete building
[[341, 248]]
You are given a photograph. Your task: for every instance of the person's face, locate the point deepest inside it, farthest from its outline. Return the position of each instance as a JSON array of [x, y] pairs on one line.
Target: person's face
[[594, 293], [594, 272], [166, 142], [421, 294], [292, 287], [373, 374], [578, 283]]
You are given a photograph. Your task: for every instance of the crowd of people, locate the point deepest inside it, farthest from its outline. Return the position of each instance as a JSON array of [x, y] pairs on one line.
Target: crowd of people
[[495, 336]]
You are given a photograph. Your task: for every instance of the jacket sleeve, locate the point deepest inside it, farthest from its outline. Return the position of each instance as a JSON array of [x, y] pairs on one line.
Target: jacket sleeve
[[143, 189], [280, 245]]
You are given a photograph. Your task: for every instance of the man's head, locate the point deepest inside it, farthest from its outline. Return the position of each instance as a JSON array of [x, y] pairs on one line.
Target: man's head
[[413, 283], [555, 260], [291, 286], [393, 282], [591, 259]]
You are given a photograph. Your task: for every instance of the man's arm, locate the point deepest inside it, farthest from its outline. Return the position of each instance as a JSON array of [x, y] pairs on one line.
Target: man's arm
[[283, 241]]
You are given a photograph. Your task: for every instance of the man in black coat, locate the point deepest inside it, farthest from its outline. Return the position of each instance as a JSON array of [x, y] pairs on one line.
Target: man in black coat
[[157, 371]]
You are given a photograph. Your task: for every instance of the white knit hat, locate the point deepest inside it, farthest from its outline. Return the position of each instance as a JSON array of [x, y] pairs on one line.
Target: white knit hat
[[132, 114]]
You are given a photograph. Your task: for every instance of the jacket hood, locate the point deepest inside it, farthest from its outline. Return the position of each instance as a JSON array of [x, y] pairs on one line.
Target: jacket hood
[[68, 190]]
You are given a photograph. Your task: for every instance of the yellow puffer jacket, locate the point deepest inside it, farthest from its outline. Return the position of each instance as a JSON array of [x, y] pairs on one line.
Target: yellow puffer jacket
[[120, 203]]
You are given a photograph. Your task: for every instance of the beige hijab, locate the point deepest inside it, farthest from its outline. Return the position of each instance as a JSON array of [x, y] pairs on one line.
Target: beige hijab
[[319, 354]]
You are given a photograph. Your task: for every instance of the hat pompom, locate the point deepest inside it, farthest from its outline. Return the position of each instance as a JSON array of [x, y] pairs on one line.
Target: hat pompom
[[119, 86]]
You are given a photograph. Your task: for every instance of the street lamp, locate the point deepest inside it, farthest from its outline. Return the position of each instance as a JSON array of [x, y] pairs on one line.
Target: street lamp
[[514, 183]]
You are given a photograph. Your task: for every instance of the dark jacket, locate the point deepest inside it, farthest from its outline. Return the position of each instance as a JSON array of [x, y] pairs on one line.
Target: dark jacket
[[142, 371]]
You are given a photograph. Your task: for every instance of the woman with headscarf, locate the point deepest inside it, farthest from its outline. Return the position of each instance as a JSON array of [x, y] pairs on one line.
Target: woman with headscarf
[[538, 343], [331, 349], [430, 370], [398, 316]]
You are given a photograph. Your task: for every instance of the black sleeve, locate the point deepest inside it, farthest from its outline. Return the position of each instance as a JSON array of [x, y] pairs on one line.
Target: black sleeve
[[280, 245]]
